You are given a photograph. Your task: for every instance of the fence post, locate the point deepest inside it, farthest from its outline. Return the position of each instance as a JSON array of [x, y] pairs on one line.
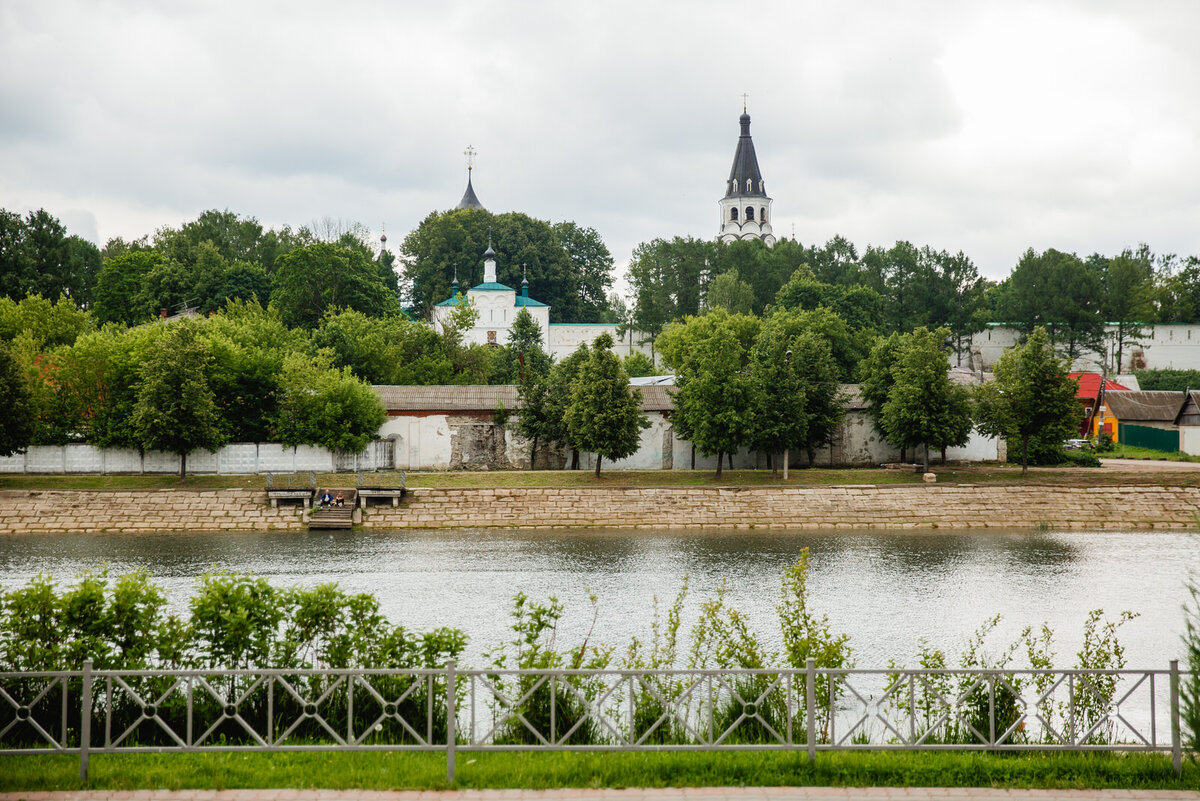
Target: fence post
[[85, 720], [451, 735], [810, 706], [1176, 746]]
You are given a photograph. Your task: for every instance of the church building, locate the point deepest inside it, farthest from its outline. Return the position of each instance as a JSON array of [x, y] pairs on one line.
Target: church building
[[498, 306], [745, 209]]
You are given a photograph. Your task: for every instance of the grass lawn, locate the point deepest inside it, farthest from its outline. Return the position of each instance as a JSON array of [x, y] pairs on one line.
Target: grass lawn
[[1122, 451], [421, 771], [952, 474]]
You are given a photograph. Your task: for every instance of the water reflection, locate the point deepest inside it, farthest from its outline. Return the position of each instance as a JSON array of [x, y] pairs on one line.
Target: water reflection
[[888, 590]]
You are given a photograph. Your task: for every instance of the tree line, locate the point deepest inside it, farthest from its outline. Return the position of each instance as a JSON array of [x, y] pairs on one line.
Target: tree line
[[758, 337], [902, 287], [776, 384]]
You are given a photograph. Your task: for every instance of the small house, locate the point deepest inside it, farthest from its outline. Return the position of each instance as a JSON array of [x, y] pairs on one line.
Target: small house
[[1146, 419]]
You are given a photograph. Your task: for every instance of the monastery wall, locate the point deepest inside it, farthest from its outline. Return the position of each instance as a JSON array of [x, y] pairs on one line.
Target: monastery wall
[[946, 506]]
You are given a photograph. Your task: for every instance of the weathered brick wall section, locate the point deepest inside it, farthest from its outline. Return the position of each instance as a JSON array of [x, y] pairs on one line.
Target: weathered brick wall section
[[890, 507], [33, 512]]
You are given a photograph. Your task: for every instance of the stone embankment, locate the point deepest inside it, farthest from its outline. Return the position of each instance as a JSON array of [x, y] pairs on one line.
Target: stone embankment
[[947, 506]]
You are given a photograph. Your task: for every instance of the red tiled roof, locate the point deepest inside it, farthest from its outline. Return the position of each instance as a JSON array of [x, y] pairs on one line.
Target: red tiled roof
[[1089, 385]]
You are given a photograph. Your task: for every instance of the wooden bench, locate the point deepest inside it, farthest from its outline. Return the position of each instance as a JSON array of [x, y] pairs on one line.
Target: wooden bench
[[382, 487]]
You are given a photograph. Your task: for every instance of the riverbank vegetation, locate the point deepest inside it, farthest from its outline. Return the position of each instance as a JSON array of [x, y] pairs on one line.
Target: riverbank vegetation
[[544, 771]]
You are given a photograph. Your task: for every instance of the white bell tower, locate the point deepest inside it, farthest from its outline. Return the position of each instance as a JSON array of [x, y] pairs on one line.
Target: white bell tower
[[746, 208]]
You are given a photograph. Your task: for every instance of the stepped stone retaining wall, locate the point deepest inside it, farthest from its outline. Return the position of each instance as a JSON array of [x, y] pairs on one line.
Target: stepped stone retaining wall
[[886, 507]]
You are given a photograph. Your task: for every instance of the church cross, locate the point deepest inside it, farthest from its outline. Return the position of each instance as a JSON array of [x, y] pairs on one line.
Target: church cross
[[745, 96], [470, 153]]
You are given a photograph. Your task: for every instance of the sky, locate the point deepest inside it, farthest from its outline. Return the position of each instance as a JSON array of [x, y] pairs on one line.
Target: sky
[[985, 127]]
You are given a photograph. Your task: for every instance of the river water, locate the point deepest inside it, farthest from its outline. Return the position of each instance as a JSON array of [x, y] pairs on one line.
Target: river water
[[887, 590]]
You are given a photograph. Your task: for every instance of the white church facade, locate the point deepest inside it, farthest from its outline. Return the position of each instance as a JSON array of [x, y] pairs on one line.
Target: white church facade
[[498, 305]]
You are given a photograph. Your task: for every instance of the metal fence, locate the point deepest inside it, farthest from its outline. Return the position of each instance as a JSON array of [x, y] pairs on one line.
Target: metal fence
[[1156, 439], [450, 710]]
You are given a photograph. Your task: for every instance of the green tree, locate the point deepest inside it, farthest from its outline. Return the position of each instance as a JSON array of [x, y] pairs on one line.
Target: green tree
[[118, 295], [876, 378], [638, 365], [1059, 292], [95, 386], [605, 415], [924, 407], [1128, 281], [812, 359], [1177, 289], [16, 266], [248, 344], [17, 427], [715, 394], [859, 306], [781, 403], [837, 262], [48, 324], [176, 410], [567, 266], [534, 421], [234, 238], [38, 257], [592, 262], [312, 279], [667, 278], [967, 312], [523, 353], [321, 405], [387, 350], [1031, 399], [727, 291], [557, 400]]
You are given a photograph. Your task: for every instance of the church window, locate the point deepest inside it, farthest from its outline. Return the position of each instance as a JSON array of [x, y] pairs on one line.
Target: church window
[[762, 214], [733, 186], [749, 212], [733, 214]]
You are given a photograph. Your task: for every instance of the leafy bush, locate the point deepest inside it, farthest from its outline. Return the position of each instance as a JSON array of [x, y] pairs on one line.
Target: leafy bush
[[1082, 458], [1190, 688], [532, 705], [1170, 380], [807, 636]]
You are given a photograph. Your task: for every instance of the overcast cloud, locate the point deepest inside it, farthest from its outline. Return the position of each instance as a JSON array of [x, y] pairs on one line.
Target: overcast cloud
[[982, 127]]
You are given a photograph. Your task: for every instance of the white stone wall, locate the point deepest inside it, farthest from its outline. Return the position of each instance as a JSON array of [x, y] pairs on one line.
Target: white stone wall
[[565, 339], [427, 442], [1173, 346], [422, 442], [233, 459]]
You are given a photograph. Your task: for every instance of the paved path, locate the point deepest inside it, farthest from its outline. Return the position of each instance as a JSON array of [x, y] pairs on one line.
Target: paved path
[[634, 794], [1148, 465]]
